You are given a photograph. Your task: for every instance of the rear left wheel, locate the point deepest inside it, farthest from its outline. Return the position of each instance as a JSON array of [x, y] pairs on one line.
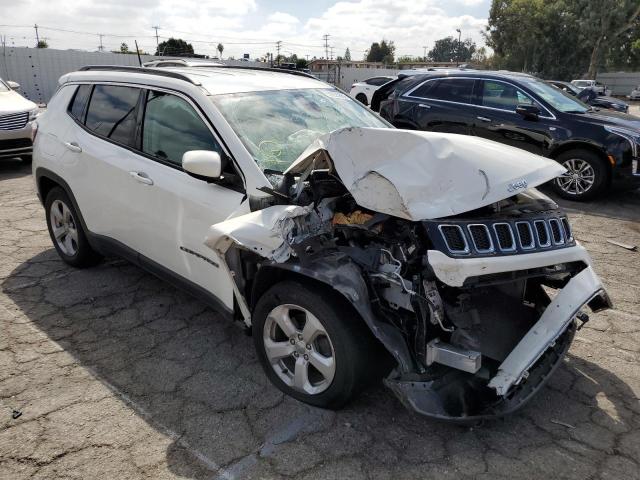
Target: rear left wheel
[[310, 347]]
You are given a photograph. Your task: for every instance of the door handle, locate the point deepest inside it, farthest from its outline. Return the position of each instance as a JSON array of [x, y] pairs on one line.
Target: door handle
[[141, 177], [484, 119], [73, 146], [422, 105]]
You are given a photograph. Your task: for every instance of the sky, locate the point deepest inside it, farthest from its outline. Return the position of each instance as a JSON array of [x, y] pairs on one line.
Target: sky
[[244, 26]]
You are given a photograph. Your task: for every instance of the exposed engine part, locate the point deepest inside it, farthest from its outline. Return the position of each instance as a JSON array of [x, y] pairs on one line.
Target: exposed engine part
[[454, 357]]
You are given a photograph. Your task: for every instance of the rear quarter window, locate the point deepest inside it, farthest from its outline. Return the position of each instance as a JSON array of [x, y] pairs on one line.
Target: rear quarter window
[[111, 112], [79, 102]]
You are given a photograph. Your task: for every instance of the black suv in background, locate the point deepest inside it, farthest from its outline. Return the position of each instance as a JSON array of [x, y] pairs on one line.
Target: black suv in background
[[600, 149]]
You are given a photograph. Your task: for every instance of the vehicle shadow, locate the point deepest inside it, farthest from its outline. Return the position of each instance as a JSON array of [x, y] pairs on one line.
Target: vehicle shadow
[[193, 375], [13, 168]]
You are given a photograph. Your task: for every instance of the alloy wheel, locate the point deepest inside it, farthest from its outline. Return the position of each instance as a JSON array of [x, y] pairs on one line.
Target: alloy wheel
[[299, 349], [578, 179], [64, 228]]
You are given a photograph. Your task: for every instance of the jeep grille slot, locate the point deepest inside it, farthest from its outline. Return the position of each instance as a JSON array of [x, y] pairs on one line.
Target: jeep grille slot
[[542, 232], [481, 238], [567, 230], [454, 238], [556, 231], [525, 235], [504, 234]]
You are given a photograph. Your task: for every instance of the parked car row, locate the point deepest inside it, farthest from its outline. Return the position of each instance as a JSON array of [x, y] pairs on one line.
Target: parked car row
[[598, 147], [350, 249]]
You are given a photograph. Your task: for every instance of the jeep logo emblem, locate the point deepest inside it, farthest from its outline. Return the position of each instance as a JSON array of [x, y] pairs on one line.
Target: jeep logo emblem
[[517, 185]]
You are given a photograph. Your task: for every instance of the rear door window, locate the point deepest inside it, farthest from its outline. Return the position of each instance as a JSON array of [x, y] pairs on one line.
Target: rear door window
[[112, 112], [458, 90], [172, 127]]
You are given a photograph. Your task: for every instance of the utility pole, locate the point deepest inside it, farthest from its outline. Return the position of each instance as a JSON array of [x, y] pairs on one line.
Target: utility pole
[[331, 49], [157, 41], [101, 48], [326, 45], [37, 36], [459, 44], [424, 57], [278, 45]]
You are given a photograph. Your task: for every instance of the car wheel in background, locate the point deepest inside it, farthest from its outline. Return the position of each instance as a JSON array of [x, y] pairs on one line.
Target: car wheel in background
[[586, 175], [311, 345], [65, 229], [362, 98]]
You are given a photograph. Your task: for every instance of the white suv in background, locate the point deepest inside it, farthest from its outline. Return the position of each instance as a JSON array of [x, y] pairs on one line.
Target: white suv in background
[[363, 91], [16, 122], [350, 249]]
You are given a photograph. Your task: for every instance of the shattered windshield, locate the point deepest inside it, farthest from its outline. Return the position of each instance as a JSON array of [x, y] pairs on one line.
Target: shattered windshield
[[277, 126]]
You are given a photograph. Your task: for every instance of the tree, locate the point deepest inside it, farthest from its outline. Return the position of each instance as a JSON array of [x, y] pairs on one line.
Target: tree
[[448, 49], [381, 52], [603, 22], [124, 48], [533, 35], [220, 48], [347, 55], [174, 46], [301, 63], [42, 44]]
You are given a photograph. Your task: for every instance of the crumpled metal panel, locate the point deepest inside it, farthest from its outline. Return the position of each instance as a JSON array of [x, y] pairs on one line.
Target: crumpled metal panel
[[425, 175]]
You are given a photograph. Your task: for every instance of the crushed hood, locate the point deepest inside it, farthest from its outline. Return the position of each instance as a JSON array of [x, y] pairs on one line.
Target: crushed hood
[[424, 175]]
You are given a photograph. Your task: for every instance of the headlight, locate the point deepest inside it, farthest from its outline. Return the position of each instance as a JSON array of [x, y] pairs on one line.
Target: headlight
[[33, 114], [632, 137]]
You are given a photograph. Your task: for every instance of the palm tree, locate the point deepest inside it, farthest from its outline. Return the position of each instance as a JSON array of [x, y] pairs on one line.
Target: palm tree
[[220, 49]]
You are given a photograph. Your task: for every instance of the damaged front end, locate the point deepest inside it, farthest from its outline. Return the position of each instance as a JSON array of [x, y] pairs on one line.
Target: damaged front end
[[470, 278]]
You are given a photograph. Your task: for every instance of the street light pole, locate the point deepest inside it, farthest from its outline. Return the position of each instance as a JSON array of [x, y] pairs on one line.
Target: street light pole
[[459, 44]]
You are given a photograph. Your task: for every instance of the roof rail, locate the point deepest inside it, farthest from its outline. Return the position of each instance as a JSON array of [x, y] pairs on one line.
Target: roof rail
[[146, 70]]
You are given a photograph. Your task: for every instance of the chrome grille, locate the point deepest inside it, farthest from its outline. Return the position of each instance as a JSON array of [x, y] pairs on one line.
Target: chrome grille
[[454, 238], [556, 231], [504, 235], [523, 236], [542, 233], [14, 121], [481, 238]]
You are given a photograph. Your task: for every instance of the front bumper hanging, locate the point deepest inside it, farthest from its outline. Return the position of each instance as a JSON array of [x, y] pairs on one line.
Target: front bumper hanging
[[462, 396]]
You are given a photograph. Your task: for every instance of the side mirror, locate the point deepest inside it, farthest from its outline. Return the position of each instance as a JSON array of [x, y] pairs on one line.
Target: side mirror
[[202, 164], [529, 112], [13, 85]]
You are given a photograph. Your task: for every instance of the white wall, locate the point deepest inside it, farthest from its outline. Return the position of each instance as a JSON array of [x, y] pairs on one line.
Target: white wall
[[37, 70], [620, 83]]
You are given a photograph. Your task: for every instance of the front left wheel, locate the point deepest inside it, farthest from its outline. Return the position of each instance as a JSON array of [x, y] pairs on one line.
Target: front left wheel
[[65, 229], [312, 346]]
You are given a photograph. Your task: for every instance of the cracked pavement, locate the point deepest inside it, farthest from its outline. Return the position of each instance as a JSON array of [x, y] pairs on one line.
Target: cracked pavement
[[118, 375]]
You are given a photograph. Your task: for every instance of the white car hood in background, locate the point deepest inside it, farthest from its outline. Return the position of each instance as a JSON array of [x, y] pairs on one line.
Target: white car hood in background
[[13, 102], [424, 175]]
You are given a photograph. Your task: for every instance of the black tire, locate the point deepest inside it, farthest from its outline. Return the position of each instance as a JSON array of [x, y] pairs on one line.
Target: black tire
[[362, 98], [27, 159], [84, 256], [600, 174], [353, 344]]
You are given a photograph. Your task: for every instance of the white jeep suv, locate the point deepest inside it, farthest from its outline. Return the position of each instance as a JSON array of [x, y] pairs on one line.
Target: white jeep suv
[[350, 249]]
